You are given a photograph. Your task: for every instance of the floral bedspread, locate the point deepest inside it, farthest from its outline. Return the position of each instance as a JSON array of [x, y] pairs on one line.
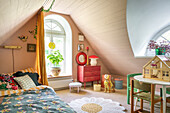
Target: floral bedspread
[[35, 101]]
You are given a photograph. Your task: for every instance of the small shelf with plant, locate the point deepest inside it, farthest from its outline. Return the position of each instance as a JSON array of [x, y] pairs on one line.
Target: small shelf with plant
[[55, 58]]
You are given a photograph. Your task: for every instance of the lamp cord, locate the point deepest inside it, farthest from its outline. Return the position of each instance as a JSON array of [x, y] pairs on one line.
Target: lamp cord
[[13, 58]]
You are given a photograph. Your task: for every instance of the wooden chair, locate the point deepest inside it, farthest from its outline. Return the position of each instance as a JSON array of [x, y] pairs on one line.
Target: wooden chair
[[167, 91], [128, 85], [168, 99], [147, 92]]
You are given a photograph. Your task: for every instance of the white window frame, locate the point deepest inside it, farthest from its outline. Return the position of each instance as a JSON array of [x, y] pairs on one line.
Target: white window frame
[[67, 33], [156, 37]]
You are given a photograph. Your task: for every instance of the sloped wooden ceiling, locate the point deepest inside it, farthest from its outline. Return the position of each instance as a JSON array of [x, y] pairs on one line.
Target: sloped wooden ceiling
[[14, 14], [103, 22]]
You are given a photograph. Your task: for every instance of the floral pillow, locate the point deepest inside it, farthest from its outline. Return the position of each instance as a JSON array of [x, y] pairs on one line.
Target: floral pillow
[[7, 82]]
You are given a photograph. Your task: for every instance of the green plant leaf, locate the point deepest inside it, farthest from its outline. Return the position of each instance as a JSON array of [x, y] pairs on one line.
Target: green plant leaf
[[55, 57]]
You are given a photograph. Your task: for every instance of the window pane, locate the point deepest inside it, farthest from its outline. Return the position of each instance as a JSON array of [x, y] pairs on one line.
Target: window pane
[[55, 32], [167, 35], [164, 39], [59, 43], [57, 28]]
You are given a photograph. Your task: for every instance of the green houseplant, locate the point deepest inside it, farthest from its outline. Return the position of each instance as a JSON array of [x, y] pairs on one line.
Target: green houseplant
[[55, 58]]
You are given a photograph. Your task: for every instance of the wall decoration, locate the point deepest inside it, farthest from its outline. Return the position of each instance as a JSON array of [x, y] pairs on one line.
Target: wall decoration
[[81, 58], [51, 45], [34, 32], [80, 47], [23, 38], [81, 37], [31, 47]]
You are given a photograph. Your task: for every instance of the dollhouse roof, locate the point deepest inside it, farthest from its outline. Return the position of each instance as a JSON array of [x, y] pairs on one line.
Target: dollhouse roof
[[162, 58]]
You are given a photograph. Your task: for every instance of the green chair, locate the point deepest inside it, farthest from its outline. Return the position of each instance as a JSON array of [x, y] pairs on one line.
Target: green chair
[[128, 85]]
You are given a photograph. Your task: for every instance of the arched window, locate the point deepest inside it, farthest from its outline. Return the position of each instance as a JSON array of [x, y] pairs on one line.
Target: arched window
[[58, 31], [162, 37]]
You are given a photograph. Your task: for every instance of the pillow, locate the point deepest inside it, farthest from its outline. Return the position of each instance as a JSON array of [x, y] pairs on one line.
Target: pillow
[[33, 76], [25, 82], [30, 70]]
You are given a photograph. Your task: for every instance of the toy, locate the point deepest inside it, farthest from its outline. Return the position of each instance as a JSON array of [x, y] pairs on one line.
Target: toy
[[108, 86], [157, 68]]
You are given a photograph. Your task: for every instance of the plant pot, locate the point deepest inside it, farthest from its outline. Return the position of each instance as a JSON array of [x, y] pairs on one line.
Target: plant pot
[[160, 51], [55, 71]]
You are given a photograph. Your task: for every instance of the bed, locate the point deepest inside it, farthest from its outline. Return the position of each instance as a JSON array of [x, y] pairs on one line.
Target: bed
[[36, 99], [41, 99]]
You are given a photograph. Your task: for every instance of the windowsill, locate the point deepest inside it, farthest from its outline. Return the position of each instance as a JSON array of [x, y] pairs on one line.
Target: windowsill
[[147, 56], [144, 56], [60, 77]]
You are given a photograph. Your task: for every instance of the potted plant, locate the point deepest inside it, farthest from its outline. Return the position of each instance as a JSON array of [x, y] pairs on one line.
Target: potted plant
[[160, 49], [55, 58]]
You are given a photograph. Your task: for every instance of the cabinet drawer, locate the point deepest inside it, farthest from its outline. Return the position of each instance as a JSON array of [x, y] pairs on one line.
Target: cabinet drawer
[[94, 78], [92, 73], [91, 68]]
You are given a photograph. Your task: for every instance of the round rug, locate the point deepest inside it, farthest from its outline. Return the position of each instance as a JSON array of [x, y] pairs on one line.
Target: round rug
[[96, 105]]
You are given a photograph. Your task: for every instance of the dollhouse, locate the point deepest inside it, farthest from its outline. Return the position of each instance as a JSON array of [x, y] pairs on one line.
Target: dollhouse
[[157, 68]]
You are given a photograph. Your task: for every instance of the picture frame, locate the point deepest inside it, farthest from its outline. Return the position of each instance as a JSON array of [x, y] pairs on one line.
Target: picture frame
[[31, 47], [81, 37], [81, 58], [80, 47]]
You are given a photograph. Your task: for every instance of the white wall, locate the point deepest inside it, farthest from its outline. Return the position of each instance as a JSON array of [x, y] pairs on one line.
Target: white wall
[[144, 19]]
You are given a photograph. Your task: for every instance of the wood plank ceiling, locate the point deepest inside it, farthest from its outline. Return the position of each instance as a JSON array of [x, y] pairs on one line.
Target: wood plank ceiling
[[14, 14], [103, 22]]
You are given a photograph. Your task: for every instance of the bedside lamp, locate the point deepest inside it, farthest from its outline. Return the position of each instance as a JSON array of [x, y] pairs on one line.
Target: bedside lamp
[[93, 61]]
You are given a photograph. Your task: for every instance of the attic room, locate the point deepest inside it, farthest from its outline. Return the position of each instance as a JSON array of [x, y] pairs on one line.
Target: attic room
[[84, 56]]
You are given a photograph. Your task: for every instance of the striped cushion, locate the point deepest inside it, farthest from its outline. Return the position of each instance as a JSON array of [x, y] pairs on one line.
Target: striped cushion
[[30, 70], [25, 82]]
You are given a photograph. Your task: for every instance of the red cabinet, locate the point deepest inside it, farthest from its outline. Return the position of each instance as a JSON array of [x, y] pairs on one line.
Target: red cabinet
[[88, 73]]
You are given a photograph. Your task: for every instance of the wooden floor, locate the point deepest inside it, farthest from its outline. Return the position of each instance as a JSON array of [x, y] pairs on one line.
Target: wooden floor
[[119, 96]]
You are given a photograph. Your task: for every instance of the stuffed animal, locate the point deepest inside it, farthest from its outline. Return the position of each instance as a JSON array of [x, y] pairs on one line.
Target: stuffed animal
[[108, 86]]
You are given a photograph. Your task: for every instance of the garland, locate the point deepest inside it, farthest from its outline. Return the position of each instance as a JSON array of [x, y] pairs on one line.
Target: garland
[[35, 30], [49, 7]]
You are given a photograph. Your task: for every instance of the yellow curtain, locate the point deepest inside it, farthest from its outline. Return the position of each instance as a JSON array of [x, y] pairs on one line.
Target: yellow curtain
[[40, 54]]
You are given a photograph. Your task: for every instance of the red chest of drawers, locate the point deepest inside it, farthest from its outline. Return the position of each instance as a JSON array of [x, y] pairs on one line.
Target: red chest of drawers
[[88, 74]]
